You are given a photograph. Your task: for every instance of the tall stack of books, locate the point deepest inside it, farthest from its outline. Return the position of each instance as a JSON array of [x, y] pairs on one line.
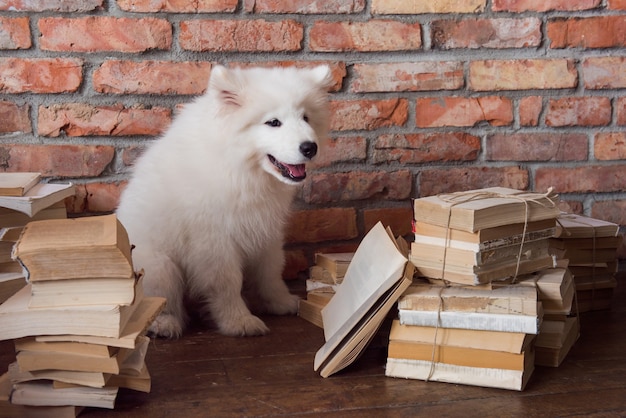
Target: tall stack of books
[[24, 198], [324, 278], [79, 324], [460, 327], [591, 246], [483, 235]]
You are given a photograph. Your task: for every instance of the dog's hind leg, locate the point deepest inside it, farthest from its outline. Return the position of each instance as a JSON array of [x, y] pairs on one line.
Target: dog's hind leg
[[165, 279]]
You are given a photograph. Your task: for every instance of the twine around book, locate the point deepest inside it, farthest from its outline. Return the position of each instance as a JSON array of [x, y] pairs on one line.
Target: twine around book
[[526, 198], [458, 198]]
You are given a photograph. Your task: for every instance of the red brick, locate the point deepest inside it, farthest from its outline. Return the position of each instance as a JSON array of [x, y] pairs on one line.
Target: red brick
[[14, 33], [341, 149], [407, 76], [587, 179], [241, 35], [610, 146], [57, 160], [571, 206], [368, 114], [14, 118], [318, 225], [543, 5], [177, 6], [463, 111], [530, 110], [373, 35], [537, 147], [104, 33], [620, 105], [447, 180], [304, 6], [130, 154], [419, 7], [80, 119], [616, 4], [427, 147], [526, 74], [579, 111], [591, 32], [296, 262], [152, 77], [51, 5], [337, 69], [358, 185], [46, 75], [398, 219], [486, 33], [102, 197], [610, 211], [604, 72]]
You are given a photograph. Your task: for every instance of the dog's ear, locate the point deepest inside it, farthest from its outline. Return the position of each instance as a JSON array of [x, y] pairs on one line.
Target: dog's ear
[[225, 84], [322, 76]]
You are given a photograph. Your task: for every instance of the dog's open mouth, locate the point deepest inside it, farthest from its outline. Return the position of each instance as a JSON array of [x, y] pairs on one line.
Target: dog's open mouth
[[295, 172]]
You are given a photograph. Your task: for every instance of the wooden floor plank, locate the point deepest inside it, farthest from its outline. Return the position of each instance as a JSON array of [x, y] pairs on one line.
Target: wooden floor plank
[[206, 374]]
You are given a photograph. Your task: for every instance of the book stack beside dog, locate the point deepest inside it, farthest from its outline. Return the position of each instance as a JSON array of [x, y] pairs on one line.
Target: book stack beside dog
[[471, 321], [324, 278], [591, 247], [24, 198], [79, 324]]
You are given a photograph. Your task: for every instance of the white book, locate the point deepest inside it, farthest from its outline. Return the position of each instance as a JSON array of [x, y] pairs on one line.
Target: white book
[[528, 324], [475, 376]]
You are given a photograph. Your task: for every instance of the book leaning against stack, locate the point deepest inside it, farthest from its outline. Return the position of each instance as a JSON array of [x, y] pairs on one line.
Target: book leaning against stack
[[24, 197], [457, 327], [590, 246], [79, 324]]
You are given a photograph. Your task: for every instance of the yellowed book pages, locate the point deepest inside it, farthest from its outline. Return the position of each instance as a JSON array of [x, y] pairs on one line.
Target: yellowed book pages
[[12, 218], [452, 373], [56, 249], [460, 356], [474, 210], [311, 312], [92, 379], [136, 326], [335, 263], [509, 342], [17, 320], [69, 347], [39, 197], [17, 184], [43, 393], [572, 225]]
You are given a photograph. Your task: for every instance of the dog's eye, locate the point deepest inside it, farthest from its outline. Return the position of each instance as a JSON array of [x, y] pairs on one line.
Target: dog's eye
[[305, 118], [274, 123]]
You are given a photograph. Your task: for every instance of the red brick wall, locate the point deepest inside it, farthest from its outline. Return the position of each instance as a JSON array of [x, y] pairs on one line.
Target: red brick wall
[[430, 96]]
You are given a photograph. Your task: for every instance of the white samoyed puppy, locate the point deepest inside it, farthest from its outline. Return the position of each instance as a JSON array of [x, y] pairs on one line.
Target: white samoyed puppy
[[208, 202]]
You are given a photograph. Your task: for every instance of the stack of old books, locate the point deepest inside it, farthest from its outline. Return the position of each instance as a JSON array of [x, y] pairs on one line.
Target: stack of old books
[[24, 198], [324, 278], [591, 246], [79, 324], [483, 235], [560, 326], [459, 327]]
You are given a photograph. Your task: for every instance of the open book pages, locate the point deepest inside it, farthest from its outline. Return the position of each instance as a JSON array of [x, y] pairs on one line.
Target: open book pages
[[376, 277]]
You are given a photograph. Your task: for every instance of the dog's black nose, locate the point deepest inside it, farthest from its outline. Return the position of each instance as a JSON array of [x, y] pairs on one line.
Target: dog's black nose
[[308, 149]]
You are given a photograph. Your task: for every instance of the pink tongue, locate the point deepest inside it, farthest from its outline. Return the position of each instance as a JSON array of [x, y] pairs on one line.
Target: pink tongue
[[297, 170]]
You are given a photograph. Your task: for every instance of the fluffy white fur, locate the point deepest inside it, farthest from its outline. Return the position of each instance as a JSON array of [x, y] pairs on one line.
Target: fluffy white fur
[[206, 206]]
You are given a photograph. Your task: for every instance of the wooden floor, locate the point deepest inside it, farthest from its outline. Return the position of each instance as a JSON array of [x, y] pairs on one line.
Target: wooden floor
[[207, 375]]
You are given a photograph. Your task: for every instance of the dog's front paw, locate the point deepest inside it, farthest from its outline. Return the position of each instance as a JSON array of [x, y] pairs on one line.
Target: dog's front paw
[[166, 326], [246, 325], [286, 305]]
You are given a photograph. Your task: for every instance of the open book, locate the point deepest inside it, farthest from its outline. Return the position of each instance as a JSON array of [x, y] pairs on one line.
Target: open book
[[376, 277]]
